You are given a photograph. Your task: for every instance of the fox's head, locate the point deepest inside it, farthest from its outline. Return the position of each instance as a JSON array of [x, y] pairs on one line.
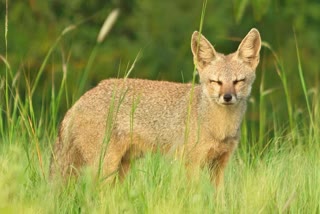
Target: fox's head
[[226, 79]]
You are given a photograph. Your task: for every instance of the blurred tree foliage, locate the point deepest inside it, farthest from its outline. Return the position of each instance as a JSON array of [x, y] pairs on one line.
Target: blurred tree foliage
[[162, 31]]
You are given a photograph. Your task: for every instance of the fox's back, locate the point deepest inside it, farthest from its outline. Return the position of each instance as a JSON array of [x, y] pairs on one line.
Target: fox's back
[[153, 109]]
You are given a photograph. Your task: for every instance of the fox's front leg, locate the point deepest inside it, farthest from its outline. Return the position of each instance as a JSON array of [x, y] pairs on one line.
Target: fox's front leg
[[217, 167]]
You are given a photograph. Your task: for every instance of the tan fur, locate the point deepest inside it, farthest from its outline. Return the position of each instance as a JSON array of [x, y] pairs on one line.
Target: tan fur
[[121, 119]]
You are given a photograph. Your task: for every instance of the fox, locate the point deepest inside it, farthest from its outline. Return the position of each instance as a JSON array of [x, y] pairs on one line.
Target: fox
[[121, 120]]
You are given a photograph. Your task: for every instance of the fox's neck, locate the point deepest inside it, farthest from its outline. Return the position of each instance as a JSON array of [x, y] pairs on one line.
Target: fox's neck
[[221, 122]]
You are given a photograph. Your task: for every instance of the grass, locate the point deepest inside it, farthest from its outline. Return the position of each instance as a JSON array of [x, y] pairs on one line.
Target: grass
[[275, 170], [285, 180]]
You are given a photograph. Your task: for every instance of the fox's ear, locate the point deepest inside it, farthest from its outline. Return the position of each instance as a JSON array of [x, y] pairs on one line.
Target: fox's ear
[[249, 48], [203, 51]]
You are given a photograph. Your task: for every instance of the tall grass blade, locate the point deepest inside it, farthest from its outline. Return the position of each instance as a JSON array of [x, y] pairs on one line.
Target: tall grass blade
[[45, 61], [303, 83], [105, 29], [133, 65], [87, 69], [282, 74], [262, 112], [186, 135]]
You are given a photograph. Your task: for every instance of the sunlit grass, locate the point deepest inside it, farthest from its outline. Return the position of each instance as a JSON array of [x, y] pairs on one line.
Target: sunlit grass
[[281, 181]]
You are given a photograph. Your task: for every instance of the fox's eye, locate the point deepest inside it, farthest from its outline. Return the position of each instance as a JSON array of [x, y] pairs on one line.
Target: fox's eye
[[216, 82], [237, 81]]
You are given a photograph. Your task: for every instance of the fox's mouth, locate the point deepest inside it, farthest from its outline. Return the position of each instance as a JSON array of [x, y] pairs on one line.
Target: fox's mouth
[[222, 102], [228, 104]]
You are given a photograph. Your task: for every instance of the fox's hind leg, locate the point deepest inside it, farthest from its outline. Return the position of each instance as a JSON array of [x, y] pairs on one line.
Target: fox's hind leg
[[117, 157], [65, 162], [120, 151], [124, 165]]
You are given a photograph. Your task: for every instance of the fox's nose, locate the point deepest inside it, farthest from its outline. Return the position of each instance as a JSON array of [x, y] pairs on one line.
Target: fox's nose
[[227, 97]]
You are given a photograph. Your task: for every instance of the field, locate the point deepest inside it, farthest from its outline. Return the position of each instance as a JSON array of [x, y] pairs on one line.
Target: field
[[283, 181], [276, 168]]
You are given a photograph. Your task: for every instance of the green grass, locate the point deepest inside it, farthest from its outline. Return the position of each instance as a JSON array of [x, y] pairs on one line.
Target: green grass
[[285, 180], [275, 170]]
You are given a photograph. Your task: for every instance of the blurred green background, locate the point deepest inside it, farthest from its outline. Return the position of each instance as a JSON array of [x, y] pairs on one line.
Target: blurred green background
[[161, 30]]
